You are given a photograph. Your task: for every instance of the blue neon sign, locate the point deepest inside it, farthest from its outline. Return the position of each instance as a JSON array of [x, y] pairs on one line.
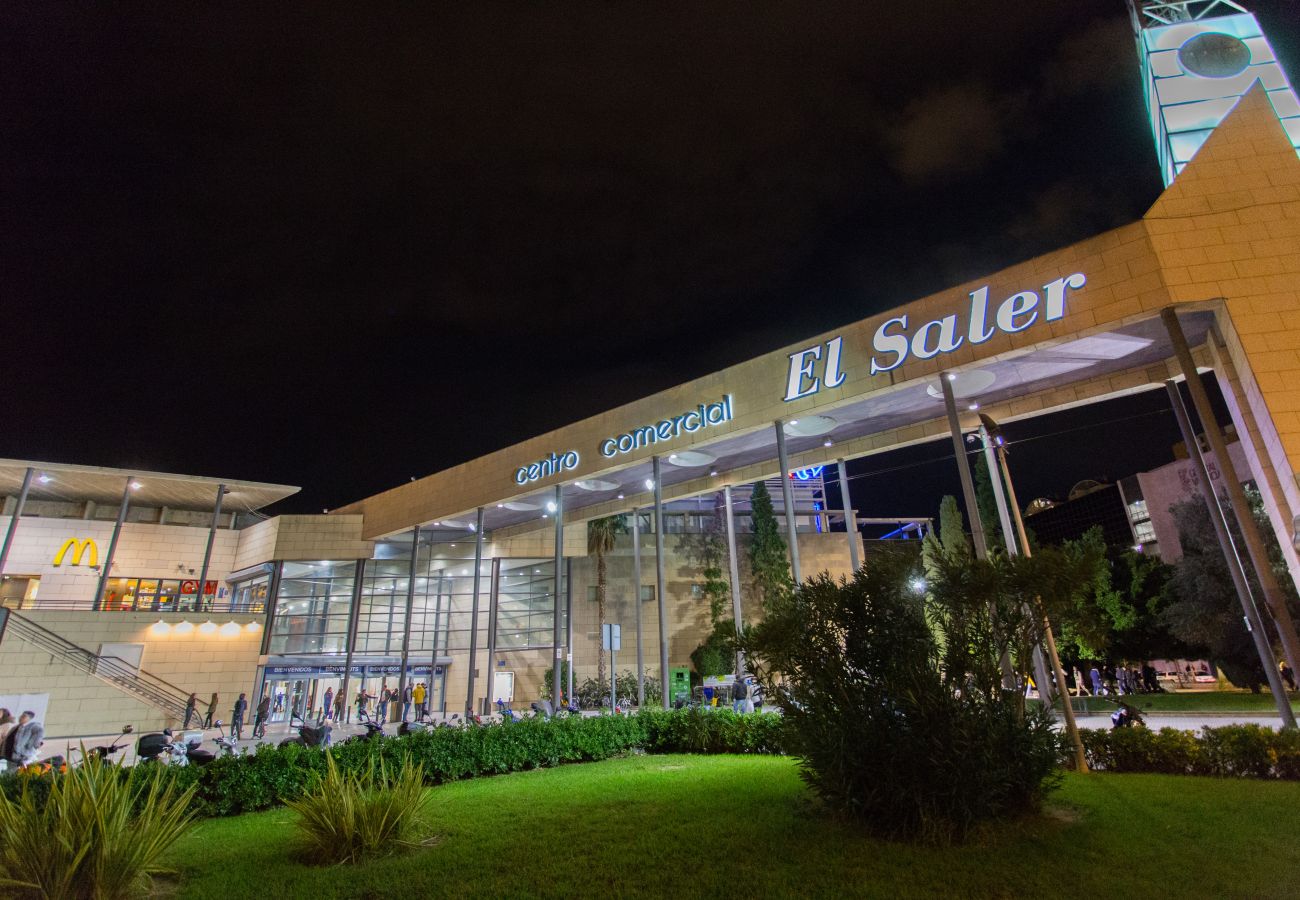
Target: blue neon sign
[[808, 474]]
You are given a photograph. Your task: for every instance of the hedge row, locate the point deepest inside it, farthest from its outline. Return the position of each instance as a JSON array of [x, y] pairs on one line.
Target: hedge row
[[237, 784], [1238, 751]]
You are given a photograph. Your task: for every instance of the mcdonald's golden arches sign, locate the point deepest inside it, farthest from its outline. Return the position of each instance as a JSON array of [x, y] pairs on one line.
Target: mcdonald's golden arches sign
[[83, 549]]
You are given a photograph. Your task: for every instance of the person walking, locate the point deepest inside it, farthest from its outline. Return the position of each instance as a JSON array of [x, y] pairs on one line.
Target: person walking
[[406, 701], [327, 708], [212, 711], [738, 696], [418, 695], [1080, 685], [237, 718], [1095, 675], [263, 714], [26, 741], [362, 699]]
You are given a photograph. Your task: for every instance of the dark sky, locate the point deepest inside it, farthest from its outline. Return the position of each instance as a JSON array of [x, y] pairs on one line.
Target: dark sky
[[339, 245]]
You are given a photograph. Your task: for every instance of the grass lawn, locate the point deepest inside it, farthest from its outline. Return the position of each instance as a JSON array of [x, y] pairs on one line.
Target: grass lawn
[[744, 826], [1193, 702]]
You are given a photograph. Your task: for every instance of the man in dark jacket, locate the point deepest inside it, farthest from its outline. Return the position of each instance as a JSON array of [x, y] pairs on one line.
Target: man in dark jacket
[[191, 709], [237, 718], [263, 713]]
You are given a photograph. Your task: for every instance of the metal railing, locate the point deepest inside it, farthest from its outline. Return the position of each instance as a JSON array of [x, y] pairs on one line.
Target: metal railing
[[110, 669]]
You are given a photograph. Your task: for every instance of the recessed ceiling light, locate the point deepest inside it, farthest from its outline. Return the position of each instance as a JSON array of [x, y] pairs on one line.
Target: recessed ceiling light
[[810, 426], [135, 485], [44, 479], [691, 458]]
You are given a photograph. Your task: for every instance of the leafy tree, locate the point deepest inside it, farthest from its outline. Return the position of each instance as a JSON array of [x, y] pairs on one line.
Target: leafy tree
[[1203, 609], [769, 561], [601, 534], [893, 697], [716, 655]]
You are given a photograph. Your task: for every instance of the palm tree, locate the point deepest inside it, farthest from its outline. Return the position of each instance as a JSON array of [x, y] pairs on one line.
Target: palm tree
[[601, 534]]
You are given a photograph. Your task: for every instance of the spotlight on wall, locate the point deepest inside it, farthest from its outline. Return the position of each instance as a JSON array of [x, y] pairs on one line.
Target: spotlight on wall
[[208, 627], [230, 629], [135, 485], [183, 627], [649, 484], [550, 506], [253, 627], [44, 479], [160, 628]]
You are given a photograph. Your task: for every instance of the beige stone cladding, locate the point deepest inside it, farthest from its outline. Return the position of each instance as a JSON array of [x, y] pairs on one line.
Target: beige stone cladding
[[81, 704], [1227, 235], [302, 538], [143, 550]]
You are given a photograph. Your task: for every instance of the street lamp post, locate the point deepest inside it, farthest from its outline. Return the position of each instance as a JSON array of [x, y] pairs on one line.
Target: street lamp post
[[991, 429]]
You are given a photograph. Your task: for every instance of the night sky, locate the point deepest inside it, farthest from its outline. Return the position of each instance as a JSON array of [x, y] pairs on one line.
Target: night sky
[[340, 245]]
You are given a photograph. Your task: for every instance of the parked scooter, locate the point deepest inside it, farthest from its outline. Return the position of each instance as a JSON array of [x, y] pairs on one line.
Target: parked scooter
[[372, 731], [309, 735], [106, 751]]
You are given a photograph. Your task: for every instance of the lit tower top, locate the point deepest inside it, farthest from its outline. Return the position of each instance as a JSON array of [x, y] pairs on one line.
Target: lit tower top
[[1198, 58]]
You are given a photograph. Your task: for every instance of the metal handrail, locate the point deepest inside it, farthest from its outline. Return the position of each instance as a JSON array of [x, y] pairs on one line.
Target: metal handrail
[[111, 669]]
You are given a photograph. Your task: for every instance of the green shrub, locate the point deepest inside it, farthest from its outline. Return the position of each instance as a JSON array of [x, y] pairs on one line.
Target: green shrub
[[95, 831], [348, 817], [705, 730], [1241, 751], [909, 734]]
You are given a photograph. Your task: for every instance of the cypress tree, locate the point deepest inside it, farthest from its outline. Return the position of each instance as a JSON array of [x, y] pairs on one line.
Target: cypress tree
[[768, 559]]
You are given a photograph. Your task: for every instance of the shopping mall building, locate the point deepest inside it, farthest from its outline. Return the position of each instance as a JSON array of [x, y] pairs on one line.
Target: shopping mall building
[[129, 589]]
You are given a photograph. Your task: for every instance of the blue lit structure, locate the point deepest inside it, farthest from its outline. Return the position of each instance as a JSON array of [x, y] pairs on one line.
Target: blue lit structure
[[1199, 57]]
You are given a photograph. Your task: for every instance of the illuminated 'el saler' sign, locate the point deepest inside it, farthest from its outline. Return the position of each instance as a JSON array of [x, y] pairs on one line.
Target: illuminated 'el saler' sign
[[894, 341]]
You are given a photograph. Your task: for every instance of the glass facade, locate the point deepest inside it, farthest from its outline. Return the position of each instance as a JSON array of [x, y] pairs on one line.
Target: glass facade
[[526, 604], [312, 607]]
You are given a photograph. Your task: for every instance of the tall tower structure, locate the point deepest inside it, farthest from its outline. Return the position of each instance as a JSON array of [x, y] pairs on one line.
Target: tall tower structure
[[1199, 57]]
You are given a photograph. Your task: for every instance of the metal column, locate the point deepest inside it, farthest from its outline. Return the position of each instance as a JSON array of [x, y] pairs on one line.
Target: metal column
[[659, 580], [1071, 726], [410, 611], [636, 600], [568, 628], [787, 498], [850, 516], [105, 572], [963, 468], [557, 681], [1254, 622], [493, 594], [1274, 599], [354, 617], [207, 552], [733, 565], [473, 615], [13, 520]]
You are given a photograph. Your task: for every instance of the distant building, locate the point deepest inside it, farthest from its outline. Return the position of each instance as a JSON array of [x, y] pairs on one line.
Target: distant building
[[1090, 503]]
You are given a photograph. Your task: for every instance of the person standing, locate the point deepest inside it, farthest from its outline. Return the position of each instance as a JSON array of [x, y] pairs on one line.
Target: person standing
[[263, 714], [212, 711], [327, 708], [738, 696], [406, 701], [237, 718], [338, 706], [418, 695], [1095, 674], [191, 709], [362, 699], [7, 726], [384, 697], [1287, 675], [27, 739]]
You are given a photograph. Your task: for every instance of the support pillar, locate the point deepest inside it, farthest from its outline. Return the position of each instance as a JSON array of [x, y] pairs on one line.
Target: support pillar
[[473, 615], [787, 498], [494, 589], [1254, 621], [659, 580], [13, 520], [207, 552], [1274, 599], [411, 570], [733, 565], [963, 467], [636, 600], [850, 515], [107, 570], [354, 617], [557, 680]]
